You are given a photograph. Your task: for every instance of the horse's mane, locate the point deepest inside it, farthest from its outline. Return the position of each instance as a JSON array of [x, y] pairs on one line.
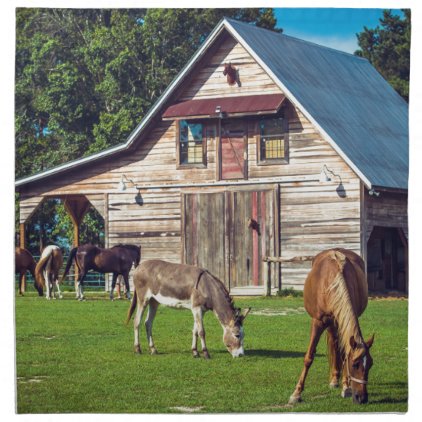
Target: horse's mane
[[342, 308], [127, 246]]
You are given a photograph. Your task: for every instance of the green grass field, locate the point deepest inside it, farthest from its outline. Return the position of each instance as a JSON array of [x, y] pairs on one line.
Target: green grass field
[[77, 357]]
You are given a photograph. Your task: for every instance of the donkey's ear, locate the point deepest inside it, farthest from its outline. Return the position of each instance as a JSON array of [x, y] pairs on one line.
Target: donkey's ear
[[352, 342], [245, 313], [370, 341]]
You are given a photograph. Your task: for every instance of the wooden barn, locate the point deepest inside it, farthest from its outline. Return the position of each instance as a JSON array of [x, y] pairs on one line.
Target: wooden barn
[[264, 147]]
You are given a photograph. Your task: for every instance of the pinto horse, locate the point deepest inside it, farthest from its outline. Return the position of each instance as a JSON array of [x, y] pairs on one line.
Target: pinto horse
[[335, 295], [47, 270], [185, 286], [24, 262], [117, 260]]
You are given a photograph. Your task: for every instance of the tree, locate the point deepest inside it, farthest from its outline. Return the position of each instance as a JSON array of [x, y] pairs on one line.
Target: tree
[[387, 47]]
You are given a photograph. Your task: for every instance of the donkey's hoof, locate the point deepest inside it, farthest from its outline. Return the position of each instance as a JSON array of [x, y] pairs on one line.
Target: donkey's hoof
[[138, 350], [195, 353], [347, 392], [206, 354], [295, 399], [153, 351]]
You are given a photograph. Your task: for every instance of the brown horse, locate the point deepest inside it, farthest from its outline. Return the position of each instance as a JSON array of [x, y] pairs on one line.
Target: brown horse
[[47, 270], [232, 74], [185, 286], [335, 295], [117, 260], [24, 262]]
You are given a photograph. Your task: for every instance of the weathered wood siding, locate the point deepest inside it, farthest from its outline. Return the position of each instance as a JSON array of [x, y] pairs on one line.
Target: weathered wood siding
[[387, 210], [209, 81], [312, 215]]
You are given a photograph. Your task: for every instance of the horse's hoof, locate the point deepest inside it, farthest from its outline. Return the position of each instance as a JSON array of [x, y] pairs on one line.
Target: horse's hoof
[[295, 399], [153, 351], [347, 392], [195, 354], [138, 350], [206, 354]]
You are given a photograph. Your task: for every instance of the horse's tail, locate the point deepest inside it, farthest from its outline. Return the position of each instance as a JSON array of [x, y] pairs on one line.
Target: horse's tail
[[138, 258], [72, 255], [132, 307], [37, 285], [39, 279]]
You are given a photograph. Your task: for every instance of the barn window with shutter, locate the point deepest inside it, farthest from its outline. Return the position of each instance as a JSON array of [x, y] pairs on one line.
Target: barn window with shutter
[[191, 143], [273, 142]]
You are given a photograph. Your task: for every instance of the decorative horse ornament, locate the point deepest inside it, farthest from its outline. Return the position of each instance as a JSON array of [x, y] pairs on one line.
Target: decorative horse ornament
[[185, 286], [335, 295], [117, 260], [24, 262], [232, 74], [47, 270]]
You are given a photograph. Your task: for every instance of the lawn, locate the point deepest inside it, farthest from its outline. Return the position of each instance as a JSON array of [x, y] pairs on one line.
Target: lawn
[[77, 357]]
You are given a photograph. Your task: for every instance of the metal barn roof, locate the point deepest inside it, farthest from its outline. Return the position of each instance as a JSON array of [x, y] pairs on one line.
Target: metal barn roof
[[350, 103], [344, 96]]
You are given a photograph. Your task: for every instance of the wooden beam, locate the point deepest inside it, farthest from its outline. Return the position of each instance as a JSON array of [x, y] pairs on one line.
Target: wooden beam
[[22, 244], [294, 259], [76, 207]]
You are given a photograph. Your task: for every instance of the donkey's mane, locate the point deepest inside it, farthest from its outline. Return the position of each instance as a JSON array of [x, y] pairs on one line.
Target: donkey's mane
[[342, 308]]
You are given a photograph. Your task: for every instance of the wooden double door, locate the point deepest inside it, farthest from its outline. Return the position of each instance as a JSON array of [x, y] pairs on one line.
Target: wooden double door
[[229, 233]]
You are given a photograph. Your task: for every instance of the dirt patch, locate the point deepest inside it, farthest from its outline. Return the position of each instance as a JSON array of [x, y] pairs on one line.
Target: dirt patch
[[278, 312], [185, 409], [33, 380]]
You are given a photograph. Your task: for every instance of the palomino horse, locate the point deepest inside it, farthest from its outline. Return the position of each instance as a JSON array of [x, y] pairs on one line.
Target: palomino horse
[[47, 270], [24, 262], [335, 295], [185, 286], [117, 260]]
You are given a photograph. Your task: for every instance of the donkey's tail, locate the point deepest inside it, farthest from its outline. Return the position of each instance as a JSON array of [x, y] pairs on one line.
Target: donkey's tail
[[132, 307], [39, 279], [69, 263]]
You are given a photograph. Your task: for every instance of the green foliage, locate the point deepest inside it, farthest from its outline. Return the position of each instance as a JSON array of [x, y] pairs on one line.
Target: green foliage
[[74, 357], [290, 292], [387, 47]]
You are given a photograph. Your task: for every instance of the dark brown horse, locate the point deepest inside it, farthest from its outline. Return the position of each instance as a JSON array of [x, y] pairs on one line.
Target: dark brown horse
[[24, 262], [117, 260], [47, 270], [232, 74], [335, 295], [185, 286]]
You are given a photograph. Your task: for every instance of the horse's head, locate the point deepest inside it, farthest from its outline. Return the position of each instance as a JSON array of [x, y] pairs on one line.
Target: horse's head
[[231, 73], [359, 363], [233, 333]]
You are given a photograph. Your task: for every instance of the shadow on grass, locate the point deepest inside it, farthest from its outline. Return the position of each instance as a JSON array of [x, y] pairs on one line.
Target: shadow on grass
[[276, 353]]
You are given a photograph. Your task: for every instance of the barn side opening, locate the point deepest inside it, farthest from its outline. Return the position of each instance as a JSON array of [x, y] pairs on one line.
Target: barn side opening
[[387, 265], [65, 222]]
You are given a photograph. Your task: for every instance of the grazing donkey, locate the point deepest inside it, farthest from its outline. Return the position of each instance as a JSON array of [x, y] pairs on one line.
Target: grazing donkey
[[185, 286]]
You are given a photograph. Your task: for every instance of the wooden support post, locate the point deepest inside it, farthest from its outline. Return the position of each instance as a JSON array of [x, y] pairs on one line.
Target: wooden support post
[[268, 278], [76, 207], [22, 244]]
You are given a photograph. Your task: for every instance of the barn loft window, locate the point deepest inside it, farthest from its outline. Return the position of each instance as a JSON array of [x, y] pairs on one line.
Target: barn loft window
[[273, 142], [191, 143]]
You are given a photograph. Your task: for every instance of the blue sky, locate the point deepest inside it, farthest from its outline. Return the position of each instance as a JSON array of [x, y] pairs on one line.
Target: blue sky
[[331, 27]]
